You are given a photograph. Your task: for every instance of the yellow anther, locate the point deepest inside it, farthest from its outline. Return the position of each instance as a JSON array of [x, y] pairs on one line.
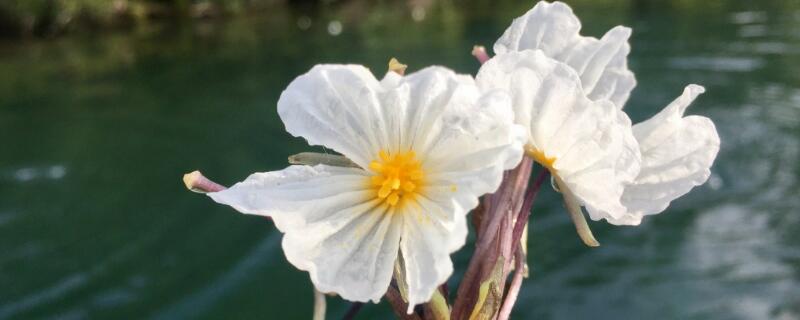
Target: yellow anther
[[375, 166], [397, 176], [384, 191], [384, 156], [540, 157], [408, 186], [393, 199], [396, 66]]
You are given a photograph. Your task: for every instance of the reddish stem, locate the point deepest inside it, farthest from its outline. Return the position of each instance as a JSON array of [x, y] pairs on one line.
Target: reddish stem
[[525, 211], [398, 305], [519, 252], [498, 207], [514, 287]]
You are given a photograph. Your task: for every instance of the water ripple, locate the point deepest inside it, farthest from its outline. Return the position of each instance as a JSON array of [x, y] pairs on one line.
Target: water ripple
[[725, 64], [195, 304]]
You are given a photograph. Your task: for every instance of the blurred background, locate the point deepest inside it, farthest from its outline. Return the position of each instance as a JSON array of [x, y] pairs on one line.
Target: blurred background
[[105, 104]]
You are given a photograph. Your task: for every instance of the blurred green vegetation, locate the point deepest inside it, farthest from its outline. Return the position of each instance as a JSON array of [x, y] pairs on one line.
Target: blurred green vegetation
[[46, 18], [20, 18]]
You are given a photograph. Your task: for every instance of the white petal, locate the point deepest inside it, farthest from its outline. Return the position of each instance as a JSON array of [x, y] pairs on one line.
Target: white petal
[[461, 136], [345, 108], [339, 107], [554, 29], [278, 194], [352, 255], [677, 153], [334, 228], [441, 105], [595, 151], [474, 143], [430, 234]]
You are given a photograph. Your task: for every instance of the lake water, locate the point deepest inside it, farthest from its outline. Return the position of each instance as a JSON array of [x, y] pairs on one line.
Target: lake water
[[97, 130]]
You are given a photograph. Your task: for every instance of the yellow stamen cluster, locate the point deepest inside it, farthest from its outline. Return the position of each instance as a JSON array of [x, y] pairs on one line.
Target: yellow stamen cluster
[[397, 177], [540, 157]]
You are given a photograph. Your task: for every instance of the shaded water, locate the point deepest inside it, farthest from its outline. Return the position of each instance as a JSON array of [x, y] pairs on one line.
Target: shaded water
[[96, 131]]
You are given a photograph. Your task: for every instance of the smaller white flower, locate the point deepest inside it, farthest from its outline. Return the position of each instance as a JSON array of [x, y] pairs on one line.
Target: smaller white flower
[[677, 151], [427, 145], [601, 64], [587, 145], [677, 154]]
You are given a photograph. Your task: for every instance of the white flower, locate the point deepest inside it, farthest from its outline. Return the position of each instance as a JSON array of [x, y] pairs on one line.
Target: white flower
[[677, 151], [587, 145], [601, 63], [427, 145]]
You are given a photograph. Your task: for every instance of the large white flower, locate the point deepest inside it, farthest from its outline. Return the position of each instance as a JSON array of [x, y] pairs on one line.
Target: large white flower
[[426, 146], [587, 145], [677, 151]]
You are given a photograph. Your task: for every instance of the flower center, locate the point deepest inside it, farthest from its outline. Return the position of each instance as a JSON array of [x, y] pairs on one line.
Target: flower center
[[540, 157], [397, 176]]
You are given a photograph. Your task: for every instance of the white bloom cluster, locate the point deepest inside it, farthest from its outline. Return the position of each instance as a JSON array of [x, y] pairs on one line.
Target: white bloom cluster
[[569, 91], [427, 145]]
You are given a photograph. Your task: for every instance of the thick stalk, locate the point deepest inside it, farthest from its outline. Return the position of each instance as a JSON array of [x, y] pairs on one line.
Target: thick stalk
[[514, 287], [525, 211], [498, 206]]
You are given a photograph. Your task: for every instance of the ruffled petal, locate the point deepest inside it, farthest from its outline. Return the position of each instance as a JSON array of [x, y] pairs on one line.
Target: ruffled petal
[[346, 109], [353, 255], [677, 154], [334, 227], [473, 143], [465, 140], [432, 231], [439, 106], [339, 107], [421, 99], [279, 194], [591, 142], [459, 133], [554, 29]]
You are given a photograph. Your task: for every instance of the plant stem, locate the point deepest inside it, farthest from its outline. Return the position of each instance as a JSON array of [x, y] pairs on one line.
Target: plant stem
[[525, 211], [519, 252], [514, 287], [398, 305], [498, 207]]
